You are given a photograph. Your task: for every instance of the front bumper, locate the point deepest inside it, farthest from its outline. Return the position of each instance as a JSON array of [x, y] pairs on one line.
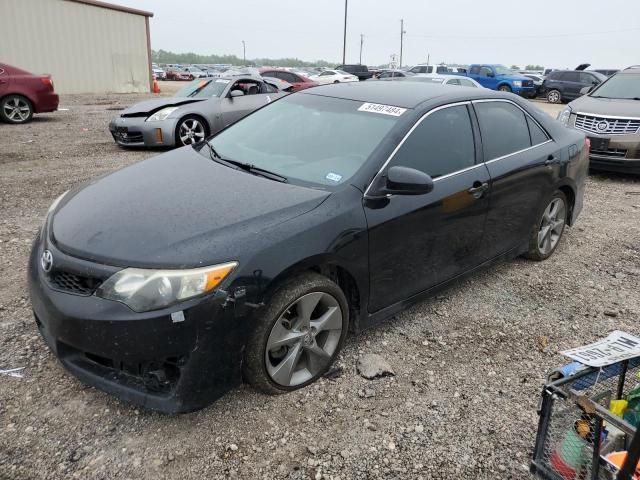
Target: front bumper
[[137, 132], [527, 92], [144, 358]]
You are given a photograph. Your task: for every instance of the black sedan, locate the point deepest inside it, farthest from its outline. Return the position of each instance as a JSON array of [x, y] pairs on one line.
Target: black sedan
[[253, 255]]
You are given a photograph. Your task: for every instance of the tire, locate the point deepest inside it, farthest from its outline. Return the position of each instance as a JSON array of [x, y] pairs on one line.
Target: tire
[[288, 350], [554, 96], [16, 109], [547, 232], [336, 81], [191, 129], [504, 88]]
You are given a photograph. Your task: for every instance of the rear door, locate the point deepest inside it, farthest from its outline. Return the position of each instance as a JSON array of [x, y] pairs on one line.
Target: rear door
[[523, 163], [572, 85], [417, 242]]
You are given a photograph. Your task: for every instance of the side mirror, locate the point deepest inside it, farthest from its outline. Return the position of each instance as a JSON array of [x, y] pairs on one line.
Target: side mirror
[[403, 181], [585, 90], [236, 93]]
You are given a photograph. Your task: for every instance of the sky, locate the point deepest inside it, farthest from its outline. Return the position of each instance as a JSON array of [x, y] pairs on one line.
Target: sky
[[552, 33]]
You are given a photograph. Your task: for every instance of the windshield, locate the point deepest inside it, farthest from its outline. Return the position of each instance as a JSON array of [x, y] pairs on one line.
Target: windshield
[[204, 88], [502, 70], [314, 139], [625, 86]]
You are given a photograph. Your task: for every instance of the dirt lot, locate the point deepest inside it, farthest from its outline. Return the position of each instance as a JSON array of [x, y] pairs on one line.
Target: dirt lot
[[469, 363]]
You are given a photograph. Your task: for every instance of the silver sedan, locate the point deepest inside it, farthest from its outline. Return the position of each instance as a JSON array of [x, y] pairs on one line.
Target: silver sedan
[[203, 107]]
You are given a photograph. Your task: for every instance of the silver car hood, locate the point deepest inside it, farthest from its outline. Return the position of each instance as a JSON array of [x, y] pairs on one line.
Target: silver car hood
[[150, 106], [612, 107]]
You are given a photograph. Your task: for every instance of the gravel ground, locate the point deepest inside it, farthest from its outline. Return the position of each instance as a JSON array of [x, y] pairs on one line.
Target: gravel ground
[[469, 364]]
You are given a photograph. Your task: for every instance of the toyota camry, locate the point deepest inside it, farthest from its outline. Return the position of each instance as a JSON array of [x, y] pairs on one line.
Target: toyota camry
[[252, 255]]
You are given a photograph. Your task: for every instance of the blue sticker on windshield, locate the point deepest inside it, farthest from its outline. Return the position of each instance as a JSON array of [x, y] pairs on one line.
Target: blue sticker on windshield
[[334, 177]]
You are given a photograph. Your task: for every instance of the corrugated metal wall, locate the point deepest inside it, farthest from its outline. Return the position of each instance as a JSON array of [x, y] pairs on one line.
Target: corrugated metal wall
[[86, 49]]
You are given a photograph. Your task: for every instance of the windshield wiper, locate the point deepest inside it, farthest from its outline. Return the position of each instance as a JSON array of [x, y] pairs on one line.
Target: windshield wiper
[[247, 167]]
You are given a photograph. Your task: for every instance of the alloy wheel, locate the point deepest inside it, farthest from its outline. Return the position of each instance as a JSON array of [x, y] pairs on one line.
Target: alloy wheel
[[304, 339], [191, 131], [552, 225], [17, 110], [553, 96]]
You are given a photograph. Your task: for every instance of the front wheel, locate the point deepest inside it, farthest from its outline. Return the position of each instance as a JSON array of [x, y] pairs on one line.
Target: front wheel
[[553, 96], [190, 130], [504, 88], [549, 228], [336, 81], [16, 109], [297, 337]]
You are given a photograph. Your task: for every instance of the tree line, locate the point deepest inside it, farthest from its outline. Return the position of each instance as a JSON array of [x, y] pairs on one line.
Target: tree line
[[163, 56]]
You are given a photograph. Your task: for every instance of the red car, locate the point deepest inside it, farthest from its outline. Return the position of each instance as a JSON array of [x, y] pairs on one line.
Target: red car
[[178, 74], [22, 94], [298, 81]]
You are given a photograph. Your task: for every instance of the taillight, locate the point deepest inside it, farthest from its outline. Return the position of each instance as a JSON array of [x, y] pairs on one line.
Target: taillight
[[47, 82]]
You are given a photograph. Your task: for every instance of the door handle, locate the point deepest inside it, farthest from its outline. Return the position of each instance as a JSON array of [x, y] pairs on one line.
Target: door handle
[[551, 160], [478, 189]]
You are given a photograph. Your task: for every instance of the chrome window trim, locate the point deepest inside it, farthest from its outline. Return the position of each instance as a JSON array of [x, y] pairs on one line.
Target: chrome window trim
[[516, 153], [404, 139], [607, 116]]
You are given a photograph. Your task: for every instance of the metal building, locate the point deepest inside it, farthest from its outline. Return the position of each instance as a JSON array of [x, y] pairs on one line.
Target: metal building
[[87, 46]]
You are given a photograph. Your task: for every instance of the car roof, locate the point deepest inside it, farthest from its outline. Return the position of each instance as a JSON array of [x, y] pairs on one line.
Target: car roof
[[399, 94]]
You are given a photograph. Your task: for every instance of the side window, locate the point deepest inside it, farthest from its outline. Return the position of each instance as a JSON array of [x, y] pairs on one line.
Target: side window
[[587, 78], [503, 128], [288, 77], [485, 71], [467, 83], [441, 144], [453, 81], [326, 73], [268, 88], [475, 70], [537, 134], [571, 76], [441, 69]]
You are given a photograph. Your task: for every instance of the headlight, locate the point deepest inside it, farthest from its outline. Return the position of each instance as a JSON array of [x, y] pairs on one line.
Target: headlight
[[143, 290], [161, 114], [517, 83], [563, 116]]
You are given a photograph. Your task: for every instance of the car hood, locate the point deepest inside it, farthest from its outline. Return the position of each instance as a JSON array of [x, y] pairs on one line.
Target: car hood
[[615, 107], [150, 106], [512, 76], [177, 210]]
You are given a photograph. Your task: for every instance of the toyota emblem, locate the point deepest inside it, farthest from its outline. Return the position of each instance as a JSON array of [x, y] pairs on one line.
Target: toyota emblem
[[602, 126], [46, 261]]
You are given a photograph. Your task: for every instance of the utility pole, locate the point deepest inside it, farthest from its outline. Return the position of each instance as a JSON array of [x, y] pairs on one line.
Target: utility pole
[[344, 45], [428, 58], [244, 52], [402, 32], [361, 42]]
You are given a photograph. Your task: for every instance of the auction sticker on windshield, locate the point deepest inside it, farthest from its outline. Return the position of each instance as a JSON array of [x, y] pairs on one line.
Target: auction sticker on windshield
[[384, 109], [618, 346]]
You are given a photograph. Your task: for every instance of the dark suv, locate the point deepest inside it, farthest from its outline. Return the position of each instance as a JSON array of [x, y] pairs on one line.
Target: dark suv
[[565, 85], [360, 71]]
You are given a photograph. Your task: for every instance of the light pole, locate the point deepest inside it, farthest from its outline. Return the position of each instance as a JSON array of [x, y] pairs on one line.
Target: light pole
[[402, 32], [244, 52], [344, 44], [361, 42]]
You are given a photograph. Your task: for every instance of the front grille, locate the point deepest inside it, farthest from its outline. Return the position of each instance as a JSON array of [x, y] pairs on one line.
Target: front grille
[[607, 125], [123, 135], [610, 152], [527, 83], [72, 283]]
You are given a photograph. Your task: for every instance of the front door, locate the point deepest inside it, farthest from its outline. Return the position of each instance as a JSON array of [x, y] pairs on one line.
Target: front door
[[235, 108], [416, 242]]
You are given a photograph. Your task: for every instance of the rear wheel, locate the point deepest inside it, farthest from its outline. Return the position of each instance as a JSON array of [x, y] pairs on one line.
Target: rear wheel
[[504, 88], [336, 81], [298, 335], [549, 228], [16, 109], [554, 96], [191, 130]]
